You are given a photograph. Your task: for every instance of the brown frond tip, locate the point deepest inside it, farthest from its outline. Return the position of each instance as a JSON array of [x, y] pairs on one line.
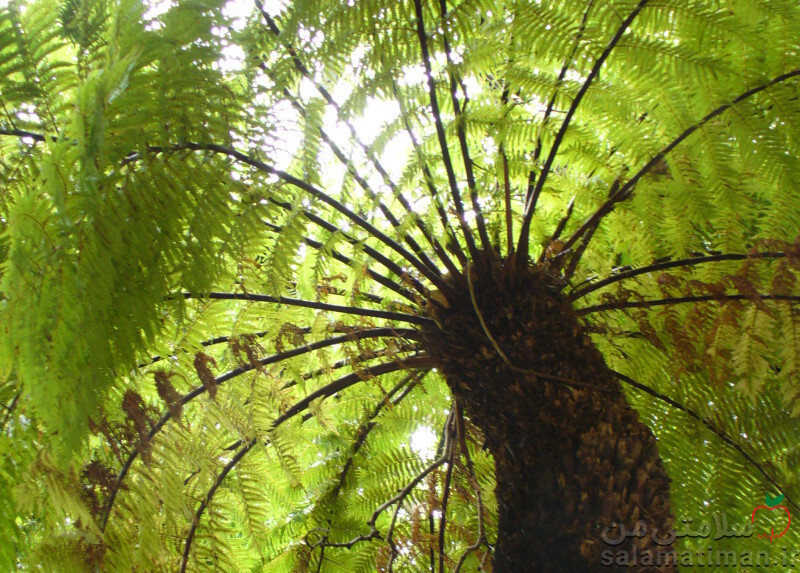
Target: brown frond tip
[[134, 407], [295, 334], [746, 288], [168, 393], [97, 480], [93, 551], [246, 350], [326, 286], [99, 475], [101, 426], [784, 280], [201, 361], [793, 254], [792, 250]]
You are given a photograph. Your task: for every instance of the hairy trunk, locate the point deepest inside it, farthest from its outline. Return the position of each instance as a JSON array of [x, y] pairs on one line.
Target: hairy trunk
[[572, 458]]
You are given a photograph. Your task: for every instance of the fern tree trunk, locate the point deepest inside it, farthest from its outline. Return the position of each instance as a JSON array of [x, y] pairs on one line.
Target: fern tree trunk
[[571, 456]]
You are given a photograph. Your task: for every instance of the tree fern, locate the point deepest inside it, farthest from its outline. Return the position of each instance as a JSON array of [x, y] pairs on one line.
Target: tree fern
[[235, 299]]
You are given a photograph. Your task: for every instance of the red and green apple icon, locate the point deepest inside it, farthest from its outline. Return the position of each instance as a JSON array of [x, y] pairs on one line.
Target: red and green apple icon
[[773, 504]]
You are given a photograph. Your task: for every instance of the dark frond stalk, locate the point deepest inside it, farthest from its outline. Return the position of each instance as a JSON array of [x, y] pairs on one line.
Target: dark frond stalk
[[507, 201], [507, 180], [448, 480], [374, 275], [440, 251], [407, 384], [378, 256], [231, 374], [365, 186], [396, 512], [338, 365], [432, 531], [372, 252], [621, 305], [429, 183], [576, 256], [533, 191], [321, 558], [437, 118], [402, 494], [537, 150], [368, 152], [415, 247], [455, 82], [21, 133], [9, 412], [330, 389], [532, 194], [473, 479], [204, 343], [209, 495], [562, 223], [710, 426], [579, 293], [626, 190], [374, 313], [548, 164], [318, 194]]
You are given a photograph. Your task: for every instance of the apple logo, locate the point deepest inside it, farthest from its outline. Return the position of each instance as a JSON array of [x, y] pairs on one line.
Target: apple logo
[[772, 504]]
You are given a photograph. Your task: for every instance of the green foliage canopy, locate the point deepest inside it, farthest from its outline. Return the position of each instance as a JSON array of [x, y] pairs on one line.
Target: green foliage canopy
[[213, 281]]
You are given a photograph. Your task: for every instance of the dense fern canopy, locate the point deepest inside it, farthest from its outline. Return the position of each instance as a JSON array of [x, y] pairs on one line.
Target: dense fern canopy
[[226, 229]]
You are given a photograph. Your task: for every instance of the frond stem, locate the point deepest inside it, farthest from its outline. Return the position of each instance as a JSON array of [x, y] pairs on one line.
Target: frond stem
[[459, 119], [272, 359], [713, 429], [528, 213], [368, 152], [407, 384], [440, 134], [330, 389], [575, 295], [374, 313], [532, 193], [621, 305], [449, 454], [21, 133], [430, 184], [374, 275], [372, 252], [473, 479], [626, 190], [365, 186], [318, 194]]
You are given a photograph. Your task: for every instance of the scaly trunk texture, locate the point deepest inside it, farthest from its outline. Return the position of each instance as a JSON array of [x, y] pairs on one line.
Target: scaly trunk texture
[[571, 456]]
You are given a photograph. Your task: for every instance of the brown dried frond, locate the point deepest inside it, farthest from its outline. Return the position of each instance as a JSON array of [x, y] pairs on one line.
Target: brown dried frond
[[201, 362], [168, 393], [293, 333], [134, 407]]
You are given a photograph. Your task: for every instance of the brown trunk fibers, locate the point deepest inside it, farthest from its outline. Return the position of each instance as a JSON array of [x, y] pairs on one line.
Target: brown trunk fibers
[[571, 456]]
